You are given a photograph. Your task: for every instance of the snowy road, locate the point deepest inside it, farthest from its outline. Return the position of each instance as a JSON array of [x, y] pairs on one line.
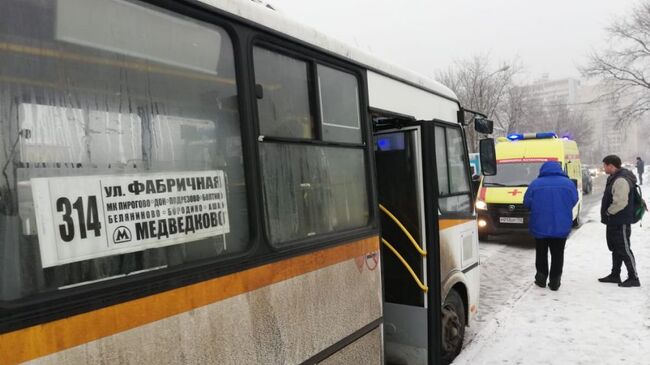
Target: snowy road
[[508, 266], [585, 322]]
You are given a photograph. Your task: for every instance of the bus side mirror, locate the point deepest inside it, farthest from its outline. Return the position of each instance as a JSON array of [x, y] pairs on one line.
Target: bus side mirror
[[483, 125], [488, 157]]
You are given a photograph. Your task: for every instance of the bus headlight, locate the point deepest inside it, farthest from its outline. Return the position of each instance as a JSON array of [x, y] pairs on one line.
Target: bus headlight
[[481, 205], [482, 223]]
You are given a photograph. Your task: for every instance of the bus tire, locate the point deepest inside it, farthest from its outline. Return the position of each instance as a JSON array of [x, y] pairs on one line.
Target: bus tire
[[453, 326], [482, 237]]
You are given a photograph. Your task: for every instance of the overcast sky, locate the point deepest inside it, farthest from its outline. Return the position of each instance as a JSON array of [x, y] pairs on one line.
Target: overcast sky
[[547, 36]]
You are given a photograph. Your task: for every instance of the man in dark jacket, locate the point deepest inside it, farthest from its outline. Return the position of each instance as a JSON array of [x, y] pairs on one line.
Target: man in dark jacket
[[617, 212], [640, 166], [550, 198]]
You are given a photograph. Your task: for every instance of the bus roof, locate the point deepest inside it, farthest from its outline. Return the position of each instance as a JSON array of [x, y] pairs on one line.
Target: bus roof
[[277, 22]]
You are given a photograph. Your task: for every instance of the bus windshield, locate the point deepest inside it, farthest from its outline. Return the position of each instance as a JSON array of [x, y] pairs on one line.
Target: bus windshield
[[513, 174]]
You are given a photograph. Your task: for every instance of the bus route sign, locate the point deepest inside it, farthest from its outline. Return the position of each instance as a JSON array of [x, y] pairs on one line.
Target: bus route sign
[[85, 217]]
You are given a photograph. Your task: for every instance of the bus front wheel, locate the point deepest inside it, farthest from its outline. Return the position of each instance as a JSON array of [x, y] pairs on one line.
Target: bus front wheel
[[453, 326]]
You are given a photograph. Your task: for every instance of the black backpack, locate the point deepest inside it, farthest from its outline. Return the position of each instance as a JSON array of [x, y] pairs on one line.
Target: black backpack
[[640, 206]]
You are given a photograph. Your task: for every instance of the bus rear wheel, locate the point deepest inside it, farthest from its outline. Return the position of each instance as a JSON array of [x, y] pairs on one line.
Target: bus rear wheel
[[453, 326]]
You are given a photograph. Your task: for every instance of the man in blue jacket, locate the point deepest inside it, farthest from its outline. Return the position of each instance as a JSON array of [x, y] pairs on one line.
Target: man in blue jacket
[[550, 199]]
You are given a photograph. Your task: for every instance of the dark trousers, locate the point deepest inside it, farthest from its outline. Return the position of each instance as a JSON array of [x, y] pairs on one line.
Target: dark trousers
[[556, 246], [640, 177], [618, 242]]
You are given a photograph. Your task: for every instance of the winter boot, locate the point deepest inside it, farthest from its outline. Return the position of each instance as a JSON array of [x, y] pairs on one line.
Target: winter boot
[[630, 282], [554, 284], [611, 278], [540, 280]]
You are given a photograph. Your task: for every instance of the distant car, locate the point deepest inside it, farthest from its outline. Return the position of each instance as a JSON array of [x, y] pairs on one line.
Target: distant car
[[587, 182], [591, 169]]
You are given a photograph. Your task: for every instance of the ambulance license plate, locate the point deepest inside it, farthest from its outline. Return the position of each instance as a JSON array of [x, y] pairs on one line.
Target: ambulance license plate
[[514, 220]]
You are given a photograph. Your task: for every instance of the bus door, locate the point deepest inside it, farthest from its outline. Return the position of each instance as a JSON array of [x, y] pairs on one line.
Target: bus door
[[411, 303]]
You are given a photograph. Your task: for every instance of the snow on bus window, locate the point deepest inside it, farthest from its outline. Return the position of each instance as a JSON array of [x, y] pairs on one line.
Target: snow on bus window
[[60, 134], [128, 95], [309, 189], [312, 190], [185, 140]]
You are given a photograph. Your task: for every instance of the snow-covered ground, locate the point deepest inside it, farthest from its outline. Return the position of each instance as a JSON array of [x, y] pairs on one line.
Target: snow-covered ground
[[507, 265], [585, 322]]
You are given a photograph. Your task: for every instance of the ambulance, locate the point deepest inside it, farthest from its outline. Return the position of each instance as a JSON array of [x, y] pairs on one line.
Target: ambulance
[[519, 157]]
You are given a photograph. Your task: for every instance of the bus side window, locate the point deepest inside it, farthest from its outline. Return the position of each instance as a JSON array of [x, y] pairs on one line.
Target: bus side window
[[285, 100], [310, 187], [339, 105], [453, 182], [147, 93]]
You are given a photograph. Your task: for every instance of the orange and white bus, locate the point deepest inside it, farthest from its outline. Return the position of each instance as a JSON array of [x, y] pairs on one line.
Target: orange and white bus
[[193, 182]]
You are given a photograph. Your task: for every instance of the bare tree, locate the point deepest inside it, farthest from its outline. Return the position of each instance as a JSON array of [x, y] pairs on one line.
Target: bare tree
[[514, 108], [571, 123], [517, 110], [578, 126], [561, 119], [625, 64], [481, 87]]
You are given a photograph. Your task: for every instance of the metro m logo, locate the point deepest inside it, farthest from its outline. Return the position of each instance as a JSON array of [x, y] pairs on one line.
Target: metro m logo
[[121, 234], [515, 192]]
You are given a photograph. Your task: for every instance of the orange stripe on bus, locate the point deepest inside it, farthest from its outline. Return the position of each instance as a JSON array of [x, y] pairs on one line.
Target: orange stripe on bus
[[448, 223], [44, 339]]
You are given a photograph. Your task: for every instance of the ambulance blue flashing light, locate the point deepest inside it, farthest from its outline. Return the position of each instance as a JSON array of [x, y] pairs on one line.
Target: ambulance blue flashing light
[[546, 135], [521, 136]]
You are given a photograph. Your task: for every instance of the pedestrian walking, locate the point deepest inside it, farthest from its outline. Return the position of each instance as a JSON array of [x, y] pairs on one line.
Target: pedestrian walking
[[550, 199], [617, 212], [640, 166]]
